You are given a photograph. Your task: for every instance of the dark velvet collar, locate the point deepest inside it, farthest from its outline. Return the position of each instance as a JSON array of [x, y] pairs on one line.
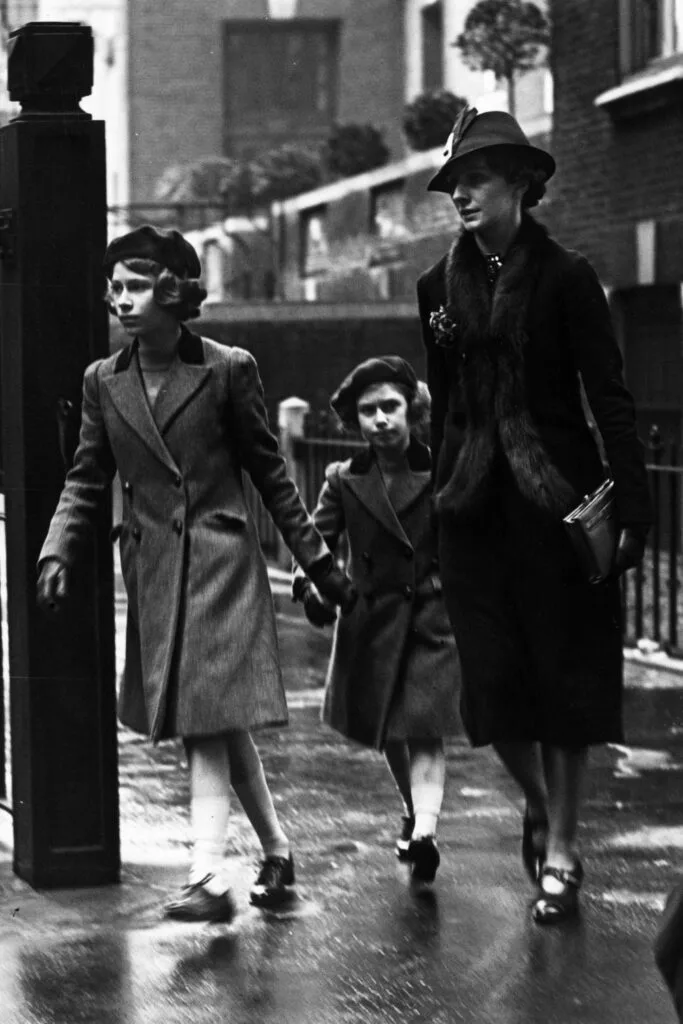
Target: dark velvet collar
[[190, 350], [418, 454]]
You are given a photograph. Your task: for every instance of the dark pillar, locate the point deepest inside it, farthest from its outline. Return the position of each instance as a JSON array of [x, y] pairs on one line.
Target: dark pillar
[[52, 324]]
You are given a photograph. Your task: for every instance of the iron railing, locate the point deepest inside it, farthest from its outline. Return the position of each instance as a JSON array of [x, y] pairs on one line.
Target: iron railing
[[651, 594]]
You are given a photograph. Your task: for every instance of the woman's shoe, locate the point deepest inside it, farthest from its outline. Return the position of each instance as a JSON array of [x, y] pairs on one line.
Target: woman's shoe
[[196, 903], [403, 841], [534, 842], [424, 858], [273, 886], [553, 907]]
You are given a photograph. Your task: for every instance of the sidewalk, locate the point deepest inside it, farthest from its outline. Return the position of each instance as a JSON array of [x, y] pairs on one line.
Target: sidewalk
[[358, 945]]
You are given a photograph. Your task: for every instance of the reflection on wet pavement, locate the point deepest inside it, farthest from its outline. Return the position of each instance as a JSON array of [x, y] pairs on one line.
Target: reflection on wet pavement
[[359, 945]]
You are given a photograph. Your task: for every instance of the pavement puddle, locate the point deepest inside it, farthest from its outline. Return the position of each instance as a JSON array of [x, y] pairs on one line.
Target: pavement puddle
[[627, 898], [651, 837]]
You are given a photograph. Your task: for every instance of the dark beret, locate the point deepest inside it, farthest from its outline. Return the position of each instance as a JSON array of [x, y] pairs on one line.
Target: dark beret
[[379, 370], [168, 248]]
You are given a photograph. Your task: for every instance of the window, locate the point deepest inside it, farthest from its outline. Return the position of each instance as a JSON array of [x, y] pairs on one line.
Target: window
[[280, 82], [388, 212], [432, 46], [314, 257], [650, 30]]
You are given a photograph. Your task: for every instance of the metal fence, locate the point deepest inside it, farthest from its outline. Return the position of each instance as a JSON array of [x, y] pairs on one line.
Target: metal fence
[[651, 593]]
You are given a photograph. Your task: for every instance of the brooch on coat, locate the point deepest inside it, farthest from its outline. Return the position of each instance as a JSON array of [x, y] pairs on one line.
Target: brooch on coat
[[443, 327]]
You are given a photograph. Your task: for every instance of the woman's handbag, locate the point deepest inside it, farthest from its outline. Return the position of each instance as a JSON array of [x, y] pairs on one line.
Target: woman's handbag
[[592, 529]]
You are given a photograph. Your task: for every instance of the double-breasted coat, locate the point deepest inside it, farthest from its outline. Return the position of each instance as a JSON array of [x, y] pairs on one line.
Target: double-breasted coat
[[393, 672], [540, 648], [201, 643]]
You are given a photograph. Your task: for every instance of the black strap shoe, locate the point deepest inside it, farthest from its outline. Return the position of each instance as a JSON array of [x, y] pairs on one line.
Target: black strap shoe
[[273, 885], [554, 907], [196, 903], [424, 857]]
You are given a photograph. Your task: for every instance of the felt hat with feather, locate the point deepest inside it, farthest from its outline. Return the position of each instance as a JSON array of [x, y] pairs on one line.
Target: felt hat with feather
[[474, 132]]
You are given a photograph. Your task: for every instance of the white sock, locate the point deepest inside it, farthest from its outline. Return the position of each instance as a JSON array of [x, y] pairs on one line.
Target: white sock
[[209, 810], [428, 774]]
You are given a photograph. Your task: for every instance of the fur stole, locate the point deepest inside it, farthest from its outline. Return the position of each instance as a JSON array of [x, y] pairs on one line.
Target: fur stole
[[490, 339]]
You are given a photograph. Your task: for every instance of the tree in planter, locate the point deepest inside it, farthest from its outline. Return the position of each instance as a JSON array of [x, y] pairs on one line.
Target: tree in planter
[[504, 36], [241, 186], [353, 149], [428, 120]]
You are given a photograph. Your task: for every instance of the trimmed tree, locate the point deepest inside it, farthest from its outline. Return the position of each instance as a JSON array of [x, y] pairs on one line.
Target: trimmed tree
[[507, 37], [353, 149], [428, 119]]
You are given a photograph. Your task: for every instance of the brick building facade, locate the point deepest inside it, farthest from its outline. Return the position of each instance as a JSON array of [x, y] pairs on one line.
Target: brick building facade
[[618, 140], [299, 66]]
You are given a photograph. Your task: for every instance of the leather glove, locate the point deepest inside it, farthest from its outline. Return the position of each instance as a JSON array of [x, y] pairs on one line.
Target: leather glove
[[336, 587], [53, 585], [630, 549], [317, 610]]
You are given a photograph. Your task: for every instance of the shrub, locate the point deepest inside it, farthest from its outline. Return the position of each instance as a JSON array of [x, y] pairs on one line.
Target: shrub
[[428, 120]]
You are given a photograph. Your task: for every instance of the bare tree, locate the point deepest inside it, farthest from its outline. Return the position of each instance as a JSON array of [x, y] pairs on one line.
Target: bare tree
[[506, 37]]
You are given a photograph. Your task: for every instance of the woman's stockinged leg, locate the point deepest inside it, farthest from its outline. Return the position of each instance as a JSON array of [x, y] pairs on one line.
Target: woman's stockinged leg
[[564, 772], [209, 809], [251, 788], [427, 780], [525, 764]]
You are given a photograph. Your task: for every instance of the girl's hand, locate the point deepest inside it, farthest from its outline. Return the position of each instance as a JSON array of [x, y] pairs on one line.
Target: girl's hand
[[53, 585], [317, 610]]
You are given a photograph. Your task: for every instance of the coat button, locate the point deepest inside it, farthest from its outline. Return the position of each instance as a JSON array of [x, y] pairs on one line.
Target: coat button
[[178, 526], [177, 479], [128, 488], [408, 591], [408, 553], [137, 533]]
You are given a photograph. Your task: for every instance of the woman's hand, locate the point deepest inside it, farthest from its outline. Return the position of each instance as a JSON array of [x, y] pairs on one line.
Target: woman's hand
[[53, 585], [630, 549]]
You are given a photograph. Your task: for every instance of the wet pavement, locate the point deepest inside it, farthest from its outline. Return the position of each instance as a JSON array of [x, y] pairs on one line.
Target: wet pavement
[[358, 944]]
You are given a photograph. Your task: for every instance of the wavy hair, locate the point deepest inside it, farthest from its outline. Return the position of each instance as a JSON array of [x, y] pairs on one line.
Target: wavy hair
[[179, 296], [515, 166], [419, 412]]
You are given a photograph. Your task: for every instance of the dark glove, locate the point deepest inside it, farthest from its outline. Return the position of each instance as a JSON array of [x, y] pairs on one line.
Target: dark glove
[[317, 610], [336, 587], [630, 549]]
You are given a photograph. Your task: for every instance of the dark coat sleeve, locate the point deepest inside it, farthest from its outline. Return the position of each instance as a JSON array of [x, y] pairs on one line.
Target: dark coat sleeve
[[599, 362], [328, 516], [86, 482], [259, 453], [437, 371]]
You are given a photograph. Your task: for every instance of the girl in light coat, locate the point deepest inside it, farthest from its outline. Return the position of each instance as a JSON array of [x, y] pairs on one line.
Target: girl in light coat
[[181, 417]]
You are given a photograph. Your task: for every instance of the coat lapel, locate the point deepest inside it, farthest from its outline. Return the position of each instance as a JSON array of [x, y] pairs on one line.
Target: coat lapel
[[127, 392], [370, 490], [408, 488], [183, 383]]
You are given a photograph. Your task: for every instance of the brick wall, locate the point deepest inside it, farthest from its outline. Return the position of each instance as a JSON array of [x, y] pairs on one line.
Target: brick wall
[[611, 172], [175, 75]]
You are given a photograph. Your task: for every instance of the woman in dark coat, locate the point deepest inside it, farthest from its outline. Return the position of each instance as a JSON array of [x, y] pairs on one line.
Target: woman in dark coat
[[180, 417], [393, 675], [513, 325]]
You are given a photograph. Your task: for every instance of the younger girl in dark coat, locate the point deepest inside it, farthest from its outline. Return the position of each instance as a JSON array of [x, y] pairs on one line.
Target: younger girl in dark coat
[[393, 675]]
